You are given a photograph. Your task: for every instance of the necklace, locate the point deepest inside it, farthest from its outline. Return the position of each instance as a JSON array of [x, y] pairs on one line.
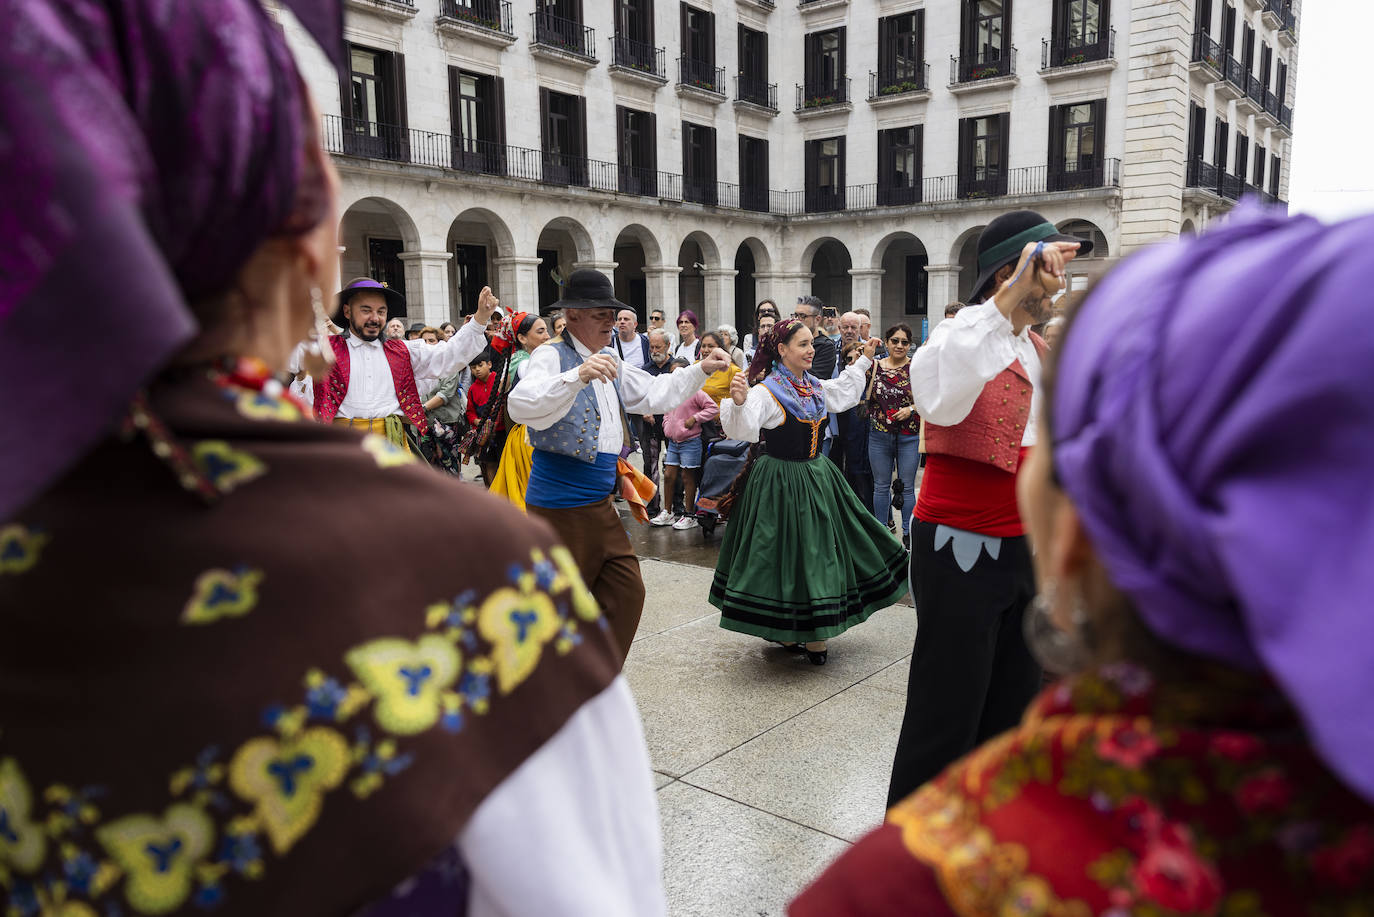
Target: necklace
[[803, 388]]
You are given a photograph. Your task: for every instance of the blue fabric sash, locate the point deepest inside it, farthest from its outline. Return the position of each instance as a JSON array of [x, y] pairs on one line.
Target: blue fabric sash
[[563, 481]]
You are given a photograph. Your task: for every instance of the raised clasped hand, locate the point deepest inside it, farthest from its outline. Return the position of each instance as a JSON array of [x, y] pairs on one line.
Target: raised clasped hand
[[486, 305], [715, 361], [598, 367], [739, 389]]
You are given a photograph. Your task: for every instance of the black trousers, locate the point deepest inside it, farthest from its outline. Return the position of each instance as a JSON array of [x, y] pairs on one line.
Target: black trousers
[[971, 674]]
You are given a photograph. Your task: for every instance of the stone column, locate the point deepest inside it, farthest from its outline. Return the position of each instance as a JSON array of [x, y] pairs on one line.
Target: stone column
[[942, 290], [517, 283], [720, 298], [866, 290], [605, 267], [660, 282], [1153, 162], [783, 287], [427, 297]]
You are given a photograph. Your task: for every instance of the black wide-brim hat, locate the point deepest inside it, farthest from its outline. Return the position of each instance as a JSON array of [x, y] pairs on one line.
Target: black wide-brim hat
[[1001, 242], [589, 289], [395, 302]]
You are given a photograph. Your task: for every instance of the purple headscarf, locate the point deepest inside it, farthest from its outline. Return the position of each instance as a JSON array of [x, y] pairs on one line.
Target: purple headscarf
[[148, 148], [1213, 423]]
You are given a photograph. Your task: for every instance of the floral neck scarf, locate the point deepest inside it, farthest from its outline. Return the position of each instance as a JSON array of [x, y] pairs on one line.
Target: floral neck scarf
[[802, 397], [1124, 797]]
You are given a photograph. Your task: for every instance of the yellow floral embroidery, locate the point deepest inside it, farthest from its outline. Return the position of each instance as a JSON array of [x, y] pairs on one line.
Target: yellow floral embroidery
[[287, 780], [226, 467], [386, 453], [517, 623], [22, 845], [406, 678], [222, 593], [261, 406], [159, 855], [20, 548], [570, 578]]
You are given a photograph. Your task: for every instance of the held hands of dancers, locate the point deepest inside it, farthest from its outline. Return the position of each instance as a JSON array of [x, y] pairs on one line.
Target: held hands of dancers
[[739, 389], [1039, 274]]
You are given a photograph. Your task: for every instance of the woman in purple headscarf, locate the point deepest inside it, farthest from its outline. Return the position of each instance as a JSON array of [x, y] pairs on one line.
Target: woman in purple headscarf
[[218, 685], [1214, 752]]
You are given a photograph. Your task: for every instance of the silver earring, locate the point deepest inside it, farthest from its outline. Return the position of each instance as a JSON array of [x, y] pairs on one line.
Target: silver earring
[[1058, 651]]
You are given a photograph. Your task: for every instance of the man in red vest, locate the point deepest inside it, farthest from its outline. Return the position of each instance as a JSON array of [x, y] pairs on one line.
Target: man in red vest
[[371, 385], [976, 384]]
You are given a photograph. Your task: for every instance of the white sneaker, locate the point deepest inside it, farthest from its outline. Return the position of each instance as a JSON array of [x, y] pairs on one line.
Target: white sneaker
[[664, 518], [686, 522]]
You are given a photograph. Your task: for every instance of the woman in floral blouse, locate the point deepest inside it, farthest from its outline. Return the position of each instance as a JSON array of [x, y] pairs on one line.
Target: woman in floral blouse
[[895, 437], [1214, 753]]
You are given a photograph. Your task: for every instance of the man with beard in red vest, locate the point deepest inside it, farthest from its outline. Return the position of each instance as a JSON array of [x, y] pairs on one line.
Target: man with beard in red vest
[[371, 385]]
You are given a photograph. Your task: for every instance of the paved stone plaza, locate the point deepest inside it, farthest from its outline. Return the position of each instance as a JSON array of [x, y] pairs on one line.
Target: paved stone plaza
[[767, 766]]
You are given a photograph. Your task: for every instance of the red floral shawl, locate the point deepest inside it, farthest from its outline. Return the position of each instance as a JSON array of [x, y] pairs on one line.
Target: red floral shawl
[[1118, 796]]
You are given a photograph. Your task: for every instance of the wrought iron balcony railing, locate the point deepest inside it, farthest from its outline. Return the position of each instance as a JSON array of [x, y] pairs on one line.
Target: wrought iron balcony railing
[[1096, 47], [1234, 72], [695, 74], [636, 55], [974, 67], [1209, 52], [564, 34], [756, 92], [822, 94], [489, 14], [891, 81]]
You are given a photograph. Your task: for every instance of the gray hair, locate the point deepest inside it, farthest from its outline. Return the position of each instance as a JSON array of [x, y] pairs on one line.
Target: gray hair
[[729, 331], [814, 301], [659, 332]]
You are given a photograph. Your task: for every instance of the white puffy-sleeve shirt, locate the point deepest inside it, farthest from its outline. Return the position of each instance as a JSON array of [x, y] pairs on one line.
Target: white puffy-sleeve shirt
[[545, 393], [761, 410], [964, 354], [371, 390]]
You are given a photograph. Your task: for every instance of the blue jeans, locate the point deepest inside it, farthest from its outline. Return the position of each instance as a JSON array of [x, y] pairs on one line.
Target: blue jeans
[[686, 454], [885, 449]]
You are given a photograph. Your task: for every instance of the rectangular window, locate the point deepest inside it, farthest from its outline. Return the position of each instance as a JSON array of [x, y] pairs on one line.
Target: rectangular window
[[917, 287], [698, 48], [983, 156], [1221, 137], [899, 165], [1076, 133], [825, 175], [1261, 160], [1266, 65], [478, 116], [1275, 170], [1197, 131], [1242, 155], [563, 119], [1228, 30], [1202, 17], [633, 45], [985, 46], [901, 53], [753, 68], [825, 67], [1281, 84], [698, 163], [637, 149], [1081, 32], [374, 116], [753, 174], [1247, 51]]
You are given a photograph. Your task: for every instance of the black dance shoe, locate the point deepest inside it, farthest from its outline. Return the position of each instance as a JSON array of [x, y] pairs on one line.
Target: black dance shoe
[[817, 658]]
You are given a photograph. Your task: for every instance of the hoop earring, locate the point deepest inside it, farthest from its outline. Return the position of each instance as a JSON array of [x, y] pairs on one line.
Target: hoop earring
[[1058, 651]]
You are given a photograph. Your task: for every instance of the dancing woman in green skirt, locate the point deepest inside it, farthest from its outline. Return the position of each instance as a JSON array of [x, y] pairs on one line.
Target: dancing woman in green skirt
[[803, 560]]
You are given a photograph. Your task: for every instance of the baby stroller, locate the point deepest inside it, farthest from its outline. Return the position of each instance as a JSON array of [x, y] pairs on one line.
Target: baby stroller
[[725, 459]]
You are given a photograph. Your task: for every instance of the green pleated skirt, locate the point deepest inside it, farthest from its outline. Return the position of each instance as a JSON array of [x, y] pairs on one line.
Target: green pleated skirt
[[802, 558]]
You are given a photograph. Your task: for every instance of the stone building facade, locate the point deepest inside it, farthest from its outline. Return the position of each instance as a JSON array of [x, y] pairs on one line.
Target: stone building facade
[[712, 153]]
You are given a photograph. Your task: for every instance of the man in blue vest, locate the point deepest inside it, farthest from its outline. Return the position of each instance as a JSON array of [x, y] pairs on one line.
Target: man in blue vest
[[574, 400]]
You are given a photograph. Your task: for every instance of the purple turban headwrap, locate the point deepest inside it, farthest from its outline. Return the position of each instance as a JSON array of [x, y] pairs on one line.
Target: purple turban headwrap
[[148, 148], [1213, 423]]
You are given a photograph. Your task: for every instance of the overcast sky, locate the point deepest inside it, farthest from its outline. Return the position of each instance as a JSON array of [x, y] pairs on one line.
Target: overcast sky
[[1333, 134]]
